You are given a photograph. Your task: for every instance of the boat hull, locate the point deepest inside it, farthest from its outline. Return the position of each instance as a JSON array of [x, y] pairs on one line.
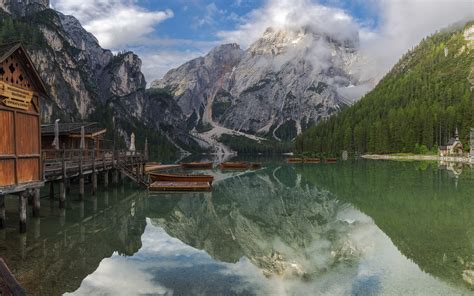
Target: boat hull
[[311, 160], [197, 165], [182, 178], [234, 165], [294, 160], [179, 186]]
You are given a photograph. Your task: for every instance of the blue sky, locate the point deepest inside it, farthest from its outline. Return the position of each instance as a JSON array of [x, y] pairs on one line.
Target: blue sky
[[166, 33]]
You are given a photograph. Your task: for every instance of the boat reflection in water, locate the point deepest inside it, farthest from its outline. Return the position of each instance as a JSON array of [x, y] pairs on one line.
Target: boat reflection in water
[[361, 228]]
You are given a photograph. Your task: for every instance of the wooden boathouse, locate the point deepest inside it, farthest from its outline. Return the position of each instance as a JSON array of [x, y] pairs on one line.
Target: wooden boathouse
[[28, 158], [21, 93]]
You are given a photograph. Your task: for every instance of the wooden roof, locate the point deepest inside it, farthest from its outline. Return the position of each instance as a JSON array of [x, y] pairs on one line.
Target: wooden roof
[[8, 49]]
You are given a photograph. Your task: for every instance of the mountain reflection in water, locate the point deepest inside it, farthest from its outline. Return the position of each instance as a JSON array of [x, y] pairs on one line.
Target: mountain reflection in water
[[353, 228]]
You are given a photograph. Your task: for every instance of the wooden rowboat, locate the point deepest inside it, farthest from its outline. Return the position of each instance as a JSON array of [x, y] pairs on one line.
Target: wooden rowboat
[[179, 186], [197, 165], [181, 178], [312, 160], [331, 160], [8, 284], [234, 165], [294, 160]]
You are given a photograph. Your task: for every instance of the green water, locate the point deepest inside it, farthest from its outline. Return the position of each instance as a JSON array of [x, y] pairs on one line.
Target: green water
[[352, 228]]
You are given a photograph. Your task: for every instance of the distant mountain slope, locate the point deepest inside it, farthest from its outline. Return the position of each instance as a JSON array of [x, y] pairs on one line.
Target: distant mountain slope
[[420, 101], [283, 83]]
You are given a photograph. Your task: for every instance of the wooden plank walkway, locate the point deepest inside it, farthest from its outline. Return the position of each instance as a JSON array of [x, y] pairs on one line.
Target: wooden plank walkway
[[161, 167]]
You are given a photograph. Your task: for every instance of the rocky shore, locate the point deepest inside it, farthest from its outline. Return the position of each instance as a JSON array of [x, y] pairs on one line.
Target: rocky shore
[[464, 159]]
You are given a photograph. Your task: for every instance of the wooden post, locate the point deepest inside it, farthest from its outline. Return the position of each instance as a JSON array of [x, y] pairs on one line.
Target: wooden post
[[36, 202], [145, 152], [51, 190], [68, 185], [2, 211], [122, 178], [106, 198], [23, 198], [115, 177], [106, 178], [81, 177], [62, 216], [62, 184], [62, 194], [94, 173], [81, 210], [138, 171], [37, 228]]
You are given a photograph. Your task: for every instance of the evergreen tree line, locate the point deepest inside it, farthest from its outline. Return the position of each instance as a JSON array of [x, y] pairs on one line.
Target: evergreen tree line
[[416, 107], [24, 30]]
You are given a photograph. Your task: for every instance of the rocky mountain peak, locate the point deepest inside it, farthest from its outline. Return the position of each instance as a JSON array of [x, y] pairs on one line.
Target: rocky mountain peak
[[286, 80], [23, 7]]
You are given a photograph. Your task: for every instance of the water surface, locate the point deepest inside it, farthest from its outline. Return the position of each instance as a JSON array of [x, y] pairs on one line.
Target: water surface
[[352, 228]]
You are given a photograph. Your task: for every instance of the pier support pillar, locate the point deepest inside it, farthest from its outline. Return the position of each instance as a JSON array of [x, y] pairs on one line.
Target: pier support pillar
[[94, 184], [2, 211], [22, 210], [62, 216], [68, 185], [106, 178], [51, 190], [36, 202], [115, 177], [81, 187], [122, 178], [62, 194]]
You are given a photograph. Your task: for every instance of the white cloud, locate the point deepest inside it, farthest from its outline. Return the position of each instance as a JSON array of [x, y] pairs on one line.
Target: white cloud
[[402, 24], [405, 22], [157, 62], [115, 23]]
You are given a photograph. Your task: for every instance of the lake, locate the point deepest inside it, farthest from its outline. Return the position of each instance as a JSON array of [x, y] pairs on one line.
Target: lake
[[351, 228]]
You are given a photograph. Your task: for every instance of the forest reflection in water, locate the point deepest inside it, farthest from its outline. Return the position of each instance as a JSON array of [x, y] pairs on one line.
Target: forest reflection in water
[[360, 228]]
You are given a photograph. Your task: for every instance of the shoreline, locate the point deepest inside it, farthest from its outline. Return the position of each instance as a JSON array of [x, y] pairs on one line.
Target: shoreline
[[465, 160]]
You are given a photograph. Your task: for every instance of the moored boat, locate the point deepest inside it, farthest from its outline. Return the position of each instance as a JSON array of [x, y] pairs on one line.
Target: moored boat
[[294, 160], [197, 165], [179, 186], [331, 160], [234, 165], [181, 178], [312, 160]]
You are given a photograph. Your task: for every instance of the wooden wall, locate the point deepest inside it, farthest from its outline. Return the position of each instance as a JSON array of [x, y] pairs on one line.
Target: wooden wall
[[20, 131]]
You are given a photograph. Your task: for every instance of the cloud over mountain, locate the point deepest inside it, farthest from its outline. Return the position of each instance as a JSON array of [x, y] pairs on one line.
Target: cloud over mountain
[[115, 23]]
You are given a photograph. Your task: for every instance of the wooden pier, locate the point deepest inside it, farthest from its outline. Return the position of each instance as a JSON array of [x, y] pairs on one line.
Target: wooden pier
[[67, 166]]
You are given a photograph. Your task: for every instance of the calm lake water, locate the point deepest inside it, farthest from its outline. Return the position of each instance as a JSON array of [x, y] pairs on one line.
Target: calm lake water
[[352, 228]]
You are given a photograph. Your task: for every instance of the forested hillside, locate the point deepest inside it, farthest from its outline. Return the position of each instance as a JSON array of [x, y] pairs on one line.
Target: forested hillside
[[419, 103]]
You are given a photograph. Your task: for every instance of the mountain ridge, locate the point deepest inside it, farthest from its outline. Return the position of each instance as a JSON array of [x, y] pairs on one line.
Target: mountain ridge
[[278, 87], [419, 103]]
